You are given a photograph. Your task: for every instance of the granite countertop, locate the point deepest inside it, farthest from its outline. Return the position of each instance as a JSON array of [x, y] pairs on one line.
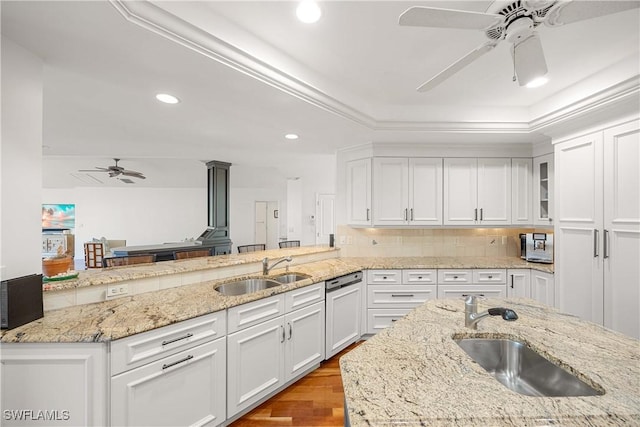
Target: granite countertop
[[413, 373], [122, 317]]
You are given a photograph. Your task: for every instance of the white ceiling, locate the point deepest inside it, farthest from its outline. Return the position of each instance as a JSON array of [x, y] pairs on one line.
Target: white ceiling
[[248, 72]]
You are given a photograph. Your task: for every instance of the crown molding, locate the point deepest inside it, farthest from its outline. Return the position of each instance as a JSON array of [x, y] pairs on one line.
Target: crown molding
[[165, 24]]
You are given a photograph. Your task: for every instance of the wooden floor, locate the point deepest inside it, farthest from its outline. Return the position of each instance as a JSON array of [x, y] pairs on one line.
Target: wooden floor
[[315, 400]]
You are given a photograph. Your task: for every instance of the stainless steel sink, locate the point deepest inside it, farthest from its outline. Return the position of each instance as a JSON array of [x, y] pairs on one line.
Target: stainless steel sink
[[246, 286], [291, 277], [523, 370]]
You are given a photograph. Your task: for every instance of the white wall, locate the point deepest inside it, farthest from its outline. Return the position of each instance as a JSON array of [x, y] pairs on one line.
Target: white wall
[[21, 162], [138, 215]]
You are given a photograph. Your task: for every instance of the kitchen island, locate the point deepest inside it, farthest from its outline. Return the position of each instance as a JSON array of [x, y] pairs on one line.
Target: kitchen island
[[415, 374]]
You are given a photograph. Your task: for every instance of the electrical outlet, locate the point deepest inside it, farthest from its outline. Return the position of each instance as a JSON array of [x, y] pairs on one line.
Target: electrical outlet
[[349, 240], [118, 290], [343, 240]]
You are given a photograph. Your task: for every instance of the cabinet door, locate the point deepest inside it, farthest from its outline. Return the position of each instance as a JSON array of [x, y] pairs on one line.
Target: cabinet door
[[390, 191], [187, 388], [68, 378], [621, 233], [578, 248], [425, 191], [519, 283], [543, 187], [358, 191], [521, 191], [343, 318], [460, 191], [494, 191], [255, 364], [304, 346], [542, 287]]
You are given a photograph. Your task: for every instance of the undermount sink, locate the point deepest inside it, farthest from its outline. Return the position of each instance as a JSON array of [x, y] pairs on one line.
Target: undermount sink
[[246, 286], [291, 277], [523, 370]]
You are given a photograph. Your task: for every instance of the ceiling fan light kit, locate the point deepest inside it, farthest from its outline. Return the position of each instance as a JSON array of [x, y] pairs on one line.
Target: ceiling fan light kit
[[515, 21]]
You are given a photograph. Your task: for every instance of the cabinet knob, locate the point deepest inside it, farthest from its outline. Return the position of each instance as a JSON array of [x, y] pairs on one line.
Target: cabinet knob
[[490, 277], [419, 277], [384, 277], [455, 277]]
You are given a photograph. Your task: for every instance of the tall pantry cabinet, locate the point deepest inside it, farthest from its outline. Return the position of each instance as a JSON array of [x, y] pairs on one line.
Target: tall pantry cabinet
[[597, 241]]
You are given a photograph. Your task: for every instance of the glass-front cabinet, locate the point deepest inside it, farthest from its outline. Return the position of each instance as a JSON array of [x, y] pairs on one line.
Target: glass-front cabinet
[[543, 190]]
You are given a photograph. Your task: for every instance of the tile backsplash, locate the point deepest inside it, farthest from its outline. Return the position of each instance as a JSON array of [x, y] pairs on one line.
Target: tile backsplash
[[460, 242]]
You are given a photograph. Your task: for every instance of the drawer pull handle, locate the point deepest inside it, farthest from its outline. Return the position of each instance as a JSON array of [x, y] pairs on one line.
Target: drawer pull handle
[[455, 277], [490, 277], [479, 295], [177, 339], [177, 362], [384, 277], [402, 295], [394, 320], [419, 277]]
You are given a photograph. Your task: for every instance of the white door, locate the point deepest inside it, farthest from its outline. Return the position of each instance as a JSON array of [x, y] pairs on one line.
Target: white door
[[460, 191], [390, 191], [358, 182], [494, 191], [343, 311], [325, 218], [542, 287], [255, 364], [519, 283], [305, 339], [260, 228], [621, 233], [425, 191], [154, 394], [578, 242], [521, 191]]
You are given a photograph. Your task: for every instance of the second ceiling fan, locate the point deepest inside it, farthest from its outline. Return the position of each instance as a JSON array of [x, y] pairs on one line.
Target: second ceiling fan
[[513, 21]]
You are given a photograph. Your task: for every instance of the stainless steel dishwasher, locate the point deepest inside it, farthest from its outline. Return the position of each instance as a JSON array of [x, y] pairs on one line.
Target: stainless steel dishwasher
[[343, 312]]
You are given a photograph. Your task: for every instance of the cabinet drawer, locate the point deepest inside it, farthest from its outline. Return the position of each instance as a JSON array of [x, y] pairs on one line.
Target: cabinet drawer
[[379, 319], [419, 277], [139, 349], [496, 276], [454, 276], [384, 277], [487, 291], [253, 313], [303, 297], [401, 296]]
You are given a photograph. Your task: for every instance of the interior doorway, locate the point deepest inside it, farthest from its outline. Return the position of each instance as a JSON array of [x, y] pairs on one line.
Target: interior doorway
[[267, 223], [325, 218]]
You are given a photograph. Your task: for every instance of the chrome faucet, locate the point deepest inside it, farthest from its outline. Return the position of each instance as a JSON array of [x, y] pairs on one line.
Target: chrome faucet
[[265, 264], [472, 317]]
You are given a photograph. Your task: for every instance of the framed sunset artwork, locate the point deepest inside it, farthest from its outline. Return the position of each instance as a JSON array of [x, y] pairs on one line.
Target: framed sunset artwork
[[57, 216]]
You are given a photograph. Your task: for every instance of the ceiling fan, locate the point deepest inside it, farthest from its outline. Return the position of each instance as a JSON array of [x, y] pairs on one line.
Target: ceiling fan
[[116, 170], [513, 21]]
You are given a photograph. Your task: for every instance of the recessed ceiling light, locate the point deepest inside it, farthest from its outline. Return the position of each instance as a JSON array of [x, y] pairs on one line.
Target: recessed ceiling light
[[291, 136], [167, 99], [308, 11], [537, 82]]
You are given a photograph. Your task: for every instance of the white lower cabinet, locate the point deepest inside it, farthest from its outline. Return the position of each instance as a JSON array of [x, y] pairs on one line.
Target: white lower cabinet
[[392, 294], [187, 388], [519, 283], [264, 357], [62, 384], [543, 287]]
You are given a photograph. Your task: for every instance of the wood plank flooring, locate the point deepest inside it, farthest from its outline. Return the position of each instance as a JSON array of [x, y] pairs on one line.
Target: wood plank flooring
[[315, 400]]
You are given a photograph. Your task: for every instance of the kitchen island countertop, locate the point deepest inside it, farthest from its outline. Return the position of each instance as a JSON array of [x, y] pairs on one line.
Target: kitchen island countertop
[[414, 374]]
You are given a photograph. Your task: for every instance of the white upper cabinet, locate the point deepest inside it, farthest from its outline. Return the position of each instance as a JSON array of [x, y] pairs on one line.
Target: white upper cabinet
[[543, 190], [358, 195], [477, 191], [407, 191], [521, 191]]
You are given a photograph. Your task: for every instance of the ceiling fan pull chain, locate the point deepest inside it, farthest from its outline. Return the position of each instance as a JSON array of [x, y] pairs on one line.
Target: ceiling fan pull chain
[[514, 63]]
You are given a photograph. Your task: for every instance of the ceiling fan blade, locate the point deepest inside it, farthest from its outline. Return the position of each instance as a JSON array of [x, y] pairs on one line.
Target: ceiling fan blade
[[97, 169], [457, 66], [529, 61], [567, 12], [133, 174], [419, 16]]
